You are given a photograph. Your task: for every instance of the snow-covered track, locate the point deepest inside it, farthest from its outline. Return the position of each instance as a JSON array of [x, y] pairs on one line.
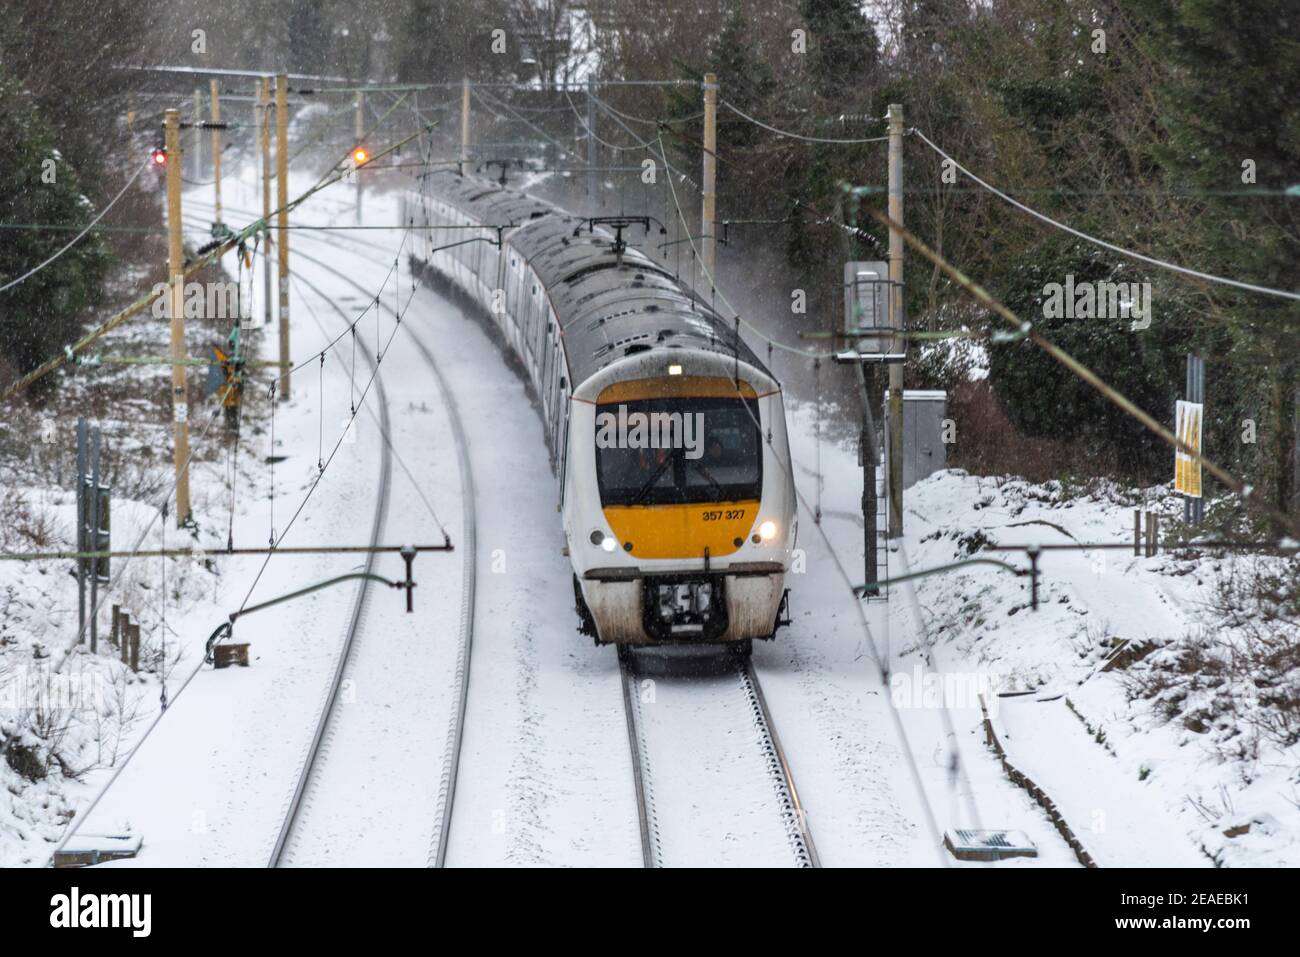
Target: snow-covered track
[[281, 852], [469, 545], [446, 793], [651, 852], [791, 810], [707, 736], [469, 554]]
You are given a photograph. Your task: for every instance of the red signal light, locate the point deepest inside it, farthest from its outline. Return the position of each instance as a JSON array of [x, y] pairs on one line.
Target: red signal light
[[158, 157]]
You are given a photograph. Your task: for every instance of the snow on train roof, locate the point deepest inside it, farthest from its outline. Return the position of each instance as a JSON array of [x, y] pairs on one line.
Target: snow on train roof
[[608, 305]]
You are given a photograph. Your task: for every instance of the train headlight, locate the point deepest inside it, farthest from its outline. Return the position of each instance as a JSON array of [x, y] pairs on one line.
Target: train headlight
[[767, 531], [604, 541], [674, 369]]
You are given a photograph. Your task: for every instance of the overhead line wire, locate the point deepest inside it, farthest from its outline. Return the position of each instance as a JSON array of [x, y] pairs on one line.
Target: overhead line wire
[[76, 239], [1132, 254]]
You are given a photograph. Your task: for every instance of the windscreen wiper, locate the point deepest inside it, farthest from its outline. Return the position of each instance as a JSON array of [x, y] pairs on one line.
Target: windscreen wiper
[[717, 486], [645, 489]]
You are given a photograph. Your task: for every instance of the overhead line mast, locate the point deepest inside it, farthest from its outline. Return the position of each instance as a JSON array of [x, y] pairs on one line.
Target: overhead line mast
[[264, 133], [216, 156], [176, 276], [896, 319], [282, 221], [708, 194]]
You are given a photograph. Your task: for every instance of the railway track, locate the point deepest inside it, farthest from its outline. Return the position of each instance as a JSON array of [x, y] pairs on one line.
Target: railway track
[[445, 800], [455, 733], [739, 713], [281, 852]]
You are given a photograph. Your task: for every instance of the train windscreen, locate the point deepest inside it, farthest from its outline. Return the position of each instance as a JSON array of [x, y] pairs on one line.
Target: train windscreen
[[678, 451]]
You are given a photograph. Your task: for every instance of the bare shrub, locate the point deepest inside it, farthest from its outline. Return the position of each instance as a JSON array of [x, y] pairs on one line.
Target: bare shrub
[[24, 527], [1237, 679], [988, 444]]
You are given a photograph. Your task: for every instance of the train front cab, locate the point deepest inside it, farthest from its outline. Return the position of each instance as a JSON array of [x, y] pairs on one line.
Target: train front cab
[[686, 544]]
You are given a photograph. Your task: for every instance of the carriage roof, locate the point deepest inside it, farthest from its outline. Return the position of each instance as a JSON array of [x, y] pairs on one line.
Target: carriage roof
[[608, 306]]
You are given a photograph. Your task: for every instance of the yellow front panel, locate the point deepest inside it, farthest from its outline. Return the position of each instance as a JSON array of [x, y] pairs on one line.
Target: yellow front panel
[[682, 531], [675, 386]]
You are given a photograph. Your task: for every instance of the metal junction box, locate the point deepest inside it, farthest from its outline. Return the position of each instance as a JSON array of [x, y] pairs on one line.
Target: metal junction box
[[924, 451]]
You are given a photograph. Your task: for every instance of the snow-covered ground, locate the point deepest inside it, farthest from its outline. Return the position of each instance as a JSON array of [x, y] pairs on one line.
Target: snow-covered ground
[[1140, 787], [545, 775]]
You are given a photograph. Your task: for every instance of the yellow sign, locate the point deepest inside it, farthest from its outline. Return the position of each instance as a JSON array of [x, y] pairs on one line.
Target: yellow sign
[[1187, 470]]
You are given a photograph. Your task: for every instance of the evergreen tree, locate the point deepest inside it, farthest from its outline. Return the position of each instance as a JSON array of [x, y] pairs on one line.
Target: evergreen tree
[[1228, 106], [463, 29], [842, 47], [748, 76], [926, 25], [38, 187], [69, 60]]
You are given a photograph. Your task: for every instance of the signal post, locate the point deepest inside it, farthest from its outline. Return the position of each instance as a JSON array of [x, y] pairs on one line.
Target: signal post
[[359, 131]]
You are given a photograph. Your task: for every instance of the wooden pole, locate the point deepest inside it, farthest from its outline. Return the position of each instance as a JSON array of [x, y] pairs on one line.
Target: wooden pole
[[896, 320], [115, 632], [282, 226], [264, 131], [216, 151], [708, 192], [135, 646], [464, 125], [196, 166], [176, 275]]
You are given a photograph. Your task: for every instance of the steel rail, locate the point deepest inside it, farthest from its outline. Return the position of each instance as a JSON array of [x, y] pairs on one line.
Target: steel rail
[[793, 816], [456, 730], [792, 810], [650, 848], [278, 852]]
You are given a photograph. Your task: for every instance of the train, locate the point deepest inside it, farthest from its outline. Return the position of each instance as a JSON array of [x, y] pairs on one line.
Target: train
[[667, 433]]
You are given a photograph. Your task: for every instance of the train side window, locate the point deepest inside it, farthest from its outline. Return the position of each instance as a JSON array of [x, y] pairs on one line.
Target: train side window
[[530, 329], [548, 379], [553, 355], [543, 323], [517, 297], [562, 418], [549, 402]]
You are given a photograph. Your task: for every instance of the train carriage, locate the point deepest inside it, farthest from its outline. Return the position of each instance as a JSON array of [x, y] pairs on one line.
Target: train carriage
[[667, 432]]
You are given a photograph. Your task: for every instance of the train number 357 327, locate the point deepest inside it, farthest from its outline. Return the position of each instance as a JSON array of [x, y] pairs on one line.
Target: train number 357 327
[[724, 514]]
